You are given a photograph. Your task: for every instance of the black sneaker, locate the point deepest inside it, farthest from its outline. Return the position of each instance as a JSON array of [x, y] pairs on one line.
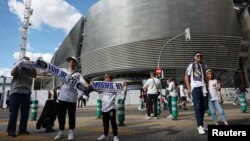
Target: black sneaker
[[24, 133], [49, 130], [13, 135]]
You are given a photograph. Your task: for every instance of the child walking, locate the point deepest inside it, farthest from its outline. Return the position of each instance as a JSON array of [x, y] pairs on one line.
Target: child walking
[[215, 98]]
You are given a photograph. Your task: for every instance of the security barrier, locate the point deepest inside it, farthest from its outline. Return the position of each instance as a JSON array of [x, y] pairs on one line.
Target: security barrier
[[243, 102], [174, 108], [158, 107], [99, 108], [34, 107], [120, 112]]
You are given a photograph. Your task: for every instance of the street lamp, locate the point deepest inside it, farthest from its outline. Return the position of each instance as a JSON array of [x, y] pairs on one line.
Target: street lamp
[[187, 37]]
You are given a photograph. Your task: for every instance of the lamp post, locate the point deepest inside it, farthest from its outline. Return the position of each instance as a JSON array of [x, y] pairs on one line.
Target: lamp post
[[187, 37]]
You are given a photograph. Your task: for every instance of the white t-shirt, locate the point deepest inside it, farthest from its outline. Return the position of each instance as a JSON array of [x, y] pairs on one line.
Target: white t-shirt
[[194, 83], [68, 93], [212, 89], [109, 98], [173, 90], [151, 85], [181, 89]]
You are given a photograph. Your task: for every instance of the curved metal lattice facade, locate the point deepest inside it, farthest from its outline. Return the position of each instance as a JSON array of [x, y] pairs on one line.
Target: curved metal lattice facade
[[127, 35]]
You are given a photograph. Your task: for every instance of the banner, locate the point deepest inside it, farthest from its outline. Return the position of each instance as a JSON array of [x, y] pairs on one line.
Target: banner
[[107, 86], [60, 74]]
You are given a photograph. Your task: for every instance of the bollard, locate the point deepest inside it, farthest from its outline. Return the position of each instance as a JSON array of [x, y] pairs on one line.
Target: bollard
[[243, 103], [120, 112], [208, 113], [174, 107], [159, 107], [99, 108], [34, 107]]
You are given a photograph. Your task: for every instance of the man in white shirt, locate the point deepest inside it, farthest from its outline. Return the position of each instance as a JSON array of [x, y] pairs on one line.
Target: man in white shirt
[[196, 83], [152, 86]]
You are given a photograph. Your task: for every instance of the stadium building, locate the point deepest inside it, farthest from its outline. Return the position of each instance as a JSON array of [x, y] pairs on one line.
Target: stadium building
[[125, 38]]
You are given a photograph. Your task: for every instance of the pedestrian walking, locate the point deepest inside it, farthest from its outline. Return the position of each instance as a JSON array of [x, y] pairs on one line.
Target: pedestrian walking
[[195, 78], [183, 96], [215, 98], [67, 101], [143, 99], [8, 99], [20, 97]]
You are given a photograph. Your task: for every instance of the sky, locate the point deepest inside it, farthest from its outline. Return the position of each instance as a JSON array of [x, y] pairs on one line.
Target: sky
[[51, 21]]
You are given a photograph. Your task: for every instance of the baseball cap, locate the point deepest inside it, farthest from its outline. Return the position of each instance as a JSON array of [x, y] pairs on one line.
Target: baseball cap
[[71, 58]]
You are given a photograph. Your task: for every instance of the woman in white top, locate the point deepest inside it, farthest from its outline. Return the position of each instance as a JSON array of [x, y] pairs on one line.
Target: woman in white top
[[173, 92], [67, 101], [215, 97]]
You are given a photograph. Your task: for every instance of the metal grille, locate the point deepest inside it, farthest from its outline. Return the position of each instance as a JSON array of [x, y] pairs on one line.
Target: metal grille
[[220, 52]]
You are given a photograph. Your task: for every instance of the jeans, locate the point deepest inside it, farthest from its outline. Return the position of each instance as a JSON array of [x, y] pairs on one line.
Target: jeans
[[199, 105], [216, 105], [22, 101], [106, 116]]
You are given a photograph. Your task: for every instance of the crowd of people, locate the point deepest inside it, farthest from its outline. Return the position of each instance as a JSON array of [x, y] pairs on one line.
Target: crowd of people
[[199, 84]]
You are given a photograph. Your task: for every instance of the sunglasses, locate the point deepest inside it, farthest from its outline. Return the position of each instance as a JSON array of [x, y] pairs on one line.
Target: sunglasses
[[199, 56]]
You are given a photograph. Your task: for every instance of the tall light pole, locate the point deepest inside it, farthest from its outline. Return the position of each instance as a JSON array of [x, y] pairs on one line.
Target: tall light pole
[[25, 25], [187, 37]]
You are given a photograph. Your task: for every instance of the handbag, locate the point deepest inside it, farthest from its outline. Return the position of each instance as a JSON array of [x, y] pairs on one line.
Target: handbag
[[158, 93]]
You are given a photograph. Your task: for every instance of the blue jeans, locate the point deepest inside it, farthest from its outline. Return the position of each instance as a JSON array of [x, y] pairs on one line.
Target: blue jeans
[[22, 101], [199, 105], [216, 105]]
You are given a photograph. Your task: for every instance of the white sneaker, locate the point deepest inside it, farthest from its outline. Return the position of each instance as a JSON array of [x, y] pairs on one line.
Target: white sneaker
[[234, 103], [115, 138], [102, 137], [147, 117], [156, 117], [170, 117], [151, 115], [200, 130], [59, 135], [71, 135]]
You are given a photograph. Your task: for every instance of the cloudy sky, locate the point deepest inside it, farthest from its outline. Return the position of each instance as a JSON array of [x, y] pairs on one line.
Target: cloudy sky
[[50, 23]]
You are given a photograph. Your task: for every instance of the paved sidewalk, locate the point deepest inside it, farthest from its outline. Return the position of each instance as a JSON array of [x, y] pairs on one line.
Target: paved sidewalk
[[88, 128]]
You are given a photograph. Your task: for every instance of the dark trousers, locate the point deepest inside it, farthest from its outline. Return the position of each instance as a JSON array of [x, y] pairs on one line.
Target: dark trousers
[[106, 116], [199, 105], [63, 108], [152, 99], [22, 101], [170, 105]]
